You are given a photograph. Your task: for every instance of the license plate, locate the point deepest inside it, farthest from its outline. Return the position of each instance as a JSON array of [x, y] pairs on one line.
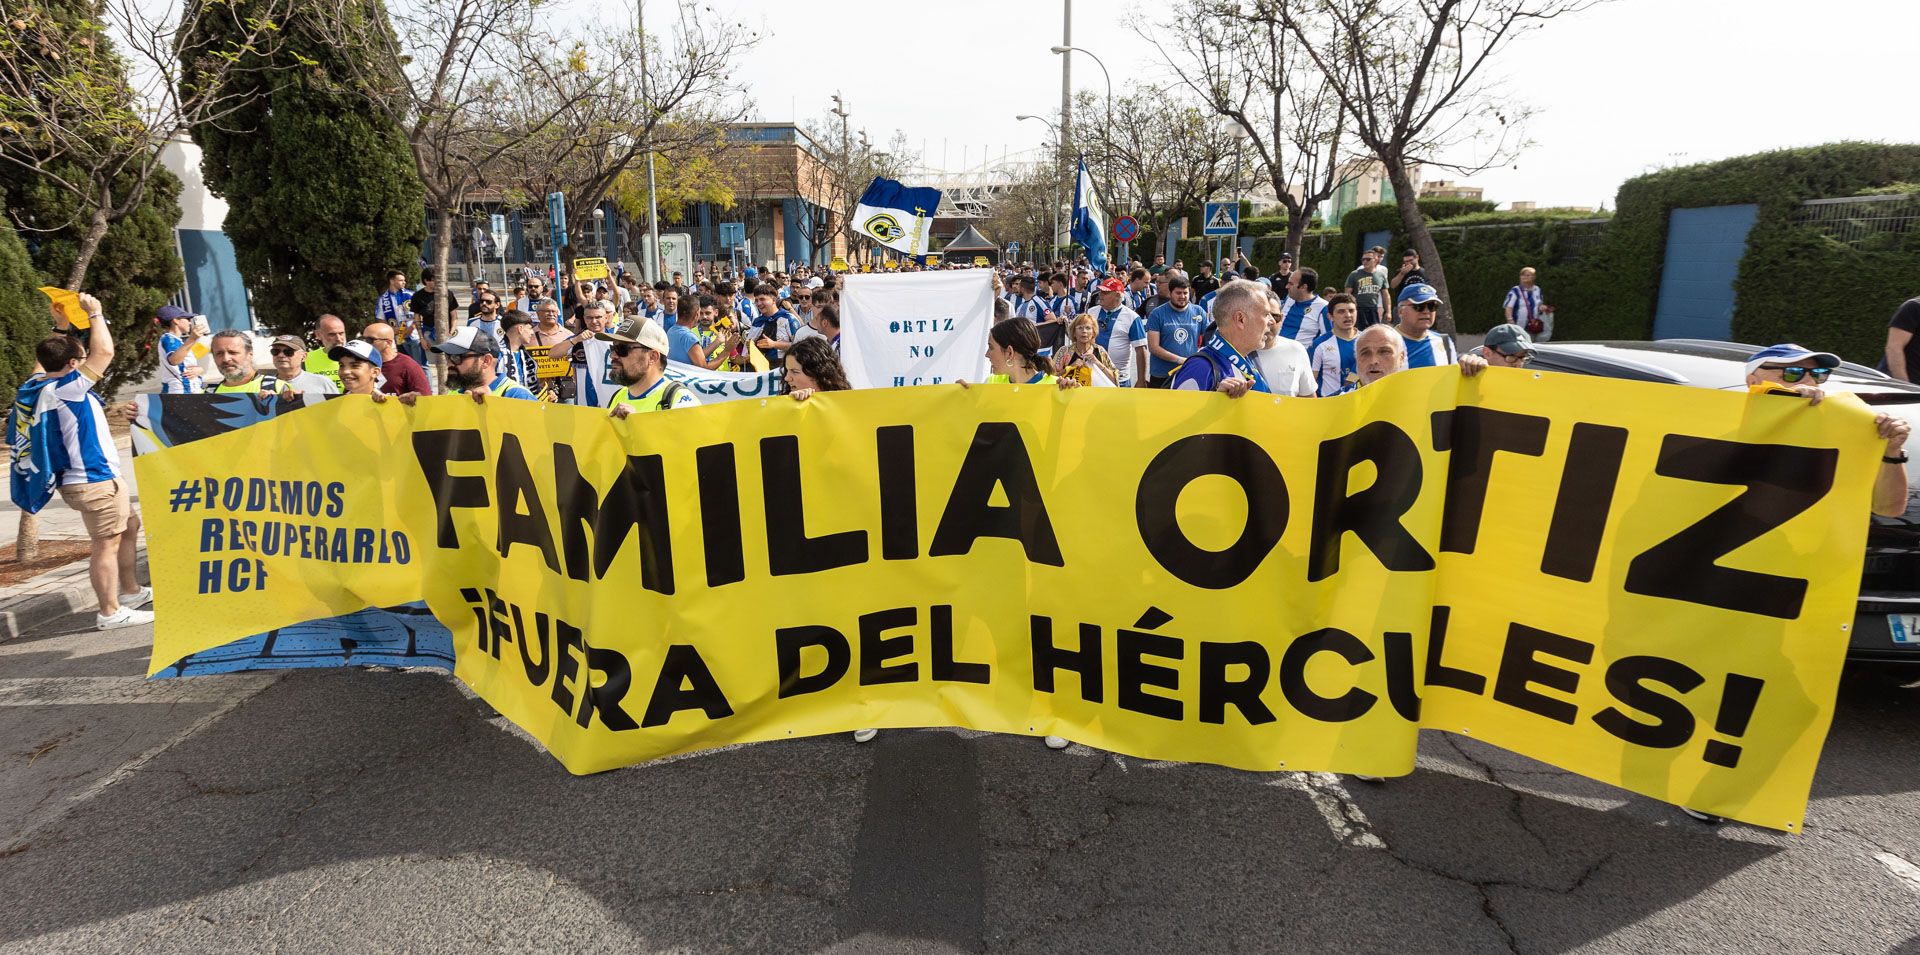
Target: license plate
[[1905, 628]]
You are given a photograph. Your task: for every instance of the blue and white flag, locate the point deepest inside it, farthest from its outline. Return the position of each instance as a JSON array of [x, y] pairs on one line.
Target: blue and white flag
[[1089, 220], [896, 216]]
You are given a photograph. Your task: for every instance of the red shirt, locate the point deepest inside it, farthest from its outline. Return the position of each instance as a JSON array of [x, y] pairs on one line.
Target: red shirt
[[404, 376]]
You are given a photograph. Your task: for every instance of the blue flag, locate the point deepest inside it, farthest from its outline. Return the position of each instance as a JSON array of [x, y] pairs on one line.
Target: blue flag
[[1089, 220], [896, 216]]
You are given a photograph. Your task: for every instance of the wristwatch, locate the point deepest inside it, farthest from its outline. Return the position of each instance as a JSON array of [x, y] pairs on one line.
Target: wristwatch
[[1902, 459]]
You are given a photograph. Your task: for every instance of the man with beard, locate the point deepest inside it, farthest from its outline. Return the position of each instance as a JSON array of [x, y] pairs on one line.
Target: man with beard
[[473, 366], [232, 353], [639, 351]]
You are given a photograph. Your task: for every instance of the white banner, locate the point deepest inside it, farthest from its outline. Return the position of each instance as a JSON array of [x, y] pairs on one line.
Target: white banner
[[915, 328], [714, 386]]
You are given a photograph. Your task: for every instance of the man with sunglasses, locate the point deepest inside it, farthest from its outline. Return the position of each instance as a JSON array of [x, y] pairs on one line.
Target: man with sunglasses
[[486, 315], [1419, 306], [473, 367], [289, 365], [638, 347]]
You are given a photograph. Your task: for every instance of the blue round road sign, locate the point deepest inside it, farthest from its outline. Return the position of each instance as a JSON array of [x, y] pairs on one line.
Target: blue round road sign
[[1126, 229]]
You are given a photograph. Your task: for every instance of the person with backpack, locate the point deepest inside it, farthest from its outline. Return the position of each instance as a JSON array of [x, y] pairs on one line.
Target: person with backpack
[[639, 361], [1241, 314]]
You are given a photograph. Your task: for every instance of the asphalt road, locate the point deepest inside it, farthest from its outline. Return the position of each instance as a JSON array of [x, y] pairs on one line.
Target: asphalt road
[[358, 812]]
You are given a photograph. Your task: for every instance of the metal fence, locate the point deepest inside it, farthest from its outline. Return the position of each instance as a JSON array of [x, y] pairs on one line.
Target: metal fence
[[1863, 222]]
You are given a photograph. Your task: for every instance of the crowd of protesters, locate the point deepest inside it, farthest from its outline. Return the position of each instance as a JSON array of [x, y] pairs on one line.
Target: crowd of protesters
[[608, 344]]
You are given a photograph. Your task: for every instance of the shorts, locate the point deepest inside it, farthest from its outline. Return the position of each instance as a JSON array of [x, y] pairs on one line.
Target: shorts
[[104, 506]]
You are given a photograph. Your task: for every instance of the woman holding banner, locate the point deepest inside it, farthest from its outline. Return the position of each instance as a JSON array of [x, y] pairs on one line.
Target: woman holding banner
[[813, 366], [1085, 358]]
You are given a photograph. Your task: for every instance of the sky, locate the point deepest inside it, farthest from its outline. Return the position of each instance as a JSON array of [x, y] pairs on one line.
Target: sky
[[1621, 89]]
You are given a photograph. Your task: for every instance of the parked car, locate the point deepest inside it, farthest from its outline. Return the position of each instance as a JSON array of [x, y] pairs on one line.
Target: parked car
[[1886, 625]]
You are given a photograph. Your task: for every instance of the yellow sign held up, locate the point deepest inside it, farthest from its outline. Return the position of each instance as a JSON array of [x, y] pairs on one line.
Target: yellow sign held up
[[838, 264], [587, 269], [68, 302], [979, 260], [546, 366], [933, 260], [1300, 584]]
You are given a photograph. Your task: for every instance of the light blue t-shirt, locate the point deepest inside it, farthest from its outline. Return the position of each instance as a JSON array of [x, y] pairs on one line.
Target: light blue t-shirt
[[680, 340], [1179, 330]]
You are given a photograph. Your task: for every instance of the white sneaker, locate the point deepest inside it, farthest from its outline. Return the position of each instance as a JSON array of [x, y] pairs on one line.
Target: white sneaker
[[865, 736], [1370, 779], [139, 598], [1703, 817], [1057, 742], [124, 617]]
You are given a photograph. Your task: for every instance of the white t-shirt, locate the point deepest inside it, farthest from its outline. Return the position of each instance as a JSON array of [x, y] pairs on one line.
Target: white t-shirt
[[1125, 333], [1286, 369]]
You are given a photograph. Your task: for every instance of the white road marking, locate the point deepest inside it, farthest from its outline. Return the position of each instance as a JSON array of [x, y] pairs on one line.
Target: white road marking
[[1344, 817], [116, 690], [1902, 869]]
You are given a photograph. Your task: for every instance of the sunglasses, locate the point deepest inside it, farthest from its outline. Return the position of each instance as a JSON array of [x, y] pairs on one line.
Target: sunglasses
[[1794, 373], [1427, 307], [281, 352], [622, 351], [489, 301]]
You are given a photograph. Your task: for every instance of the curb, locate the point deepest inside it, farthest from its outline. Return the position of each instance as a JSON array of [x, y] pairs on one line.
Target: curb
[[71, 593]]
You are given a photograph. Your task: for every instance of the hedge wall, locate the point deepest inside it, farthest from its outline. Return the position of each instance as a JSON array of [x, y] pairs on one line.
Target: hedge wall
[[1835, 304]]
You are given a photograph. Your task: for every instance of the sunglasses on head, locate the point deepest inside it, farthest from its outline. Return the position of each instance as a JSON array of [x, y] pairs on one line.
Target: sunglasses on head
[[1793, 373], [281, 351]]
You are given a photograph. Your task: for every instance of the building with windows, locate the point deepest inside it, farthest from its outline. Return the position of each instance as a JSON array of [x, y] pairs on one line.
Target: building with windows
[[1363, 183], [1442, 189]]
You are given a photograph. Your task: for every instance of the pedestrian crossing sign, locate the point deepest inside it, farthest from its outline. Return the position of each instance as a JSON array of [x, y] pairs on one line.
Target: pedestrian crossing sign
[[1221, 218]]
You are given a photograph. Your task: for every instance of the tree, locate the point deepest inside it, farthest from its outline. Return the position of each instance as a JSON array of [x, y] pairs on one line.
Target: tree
[[1246, 70], [679, 181], [1163, 155], [23, 311], [1027, 209], [1408, 74], [72, 120], [321, 193], [618, 99]]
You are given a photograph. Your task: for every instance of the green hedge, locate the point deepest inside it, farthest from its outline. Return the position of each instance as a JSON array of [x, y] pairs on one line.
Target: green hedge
[[1837, 304], [23, 311]]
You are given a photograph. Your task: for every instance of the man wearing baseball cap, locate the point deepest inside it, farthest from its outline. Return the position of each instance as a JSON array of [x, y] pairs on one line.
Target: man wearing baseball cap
[[289, 353], [473, 366], [1419, 306], [1507, 346], [639, 361], [1122, 334], [179, 370]]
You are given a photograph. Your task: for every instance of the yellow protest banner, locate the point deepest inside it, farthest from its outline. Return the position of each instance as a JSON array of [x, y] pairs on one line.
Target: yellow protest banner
[[979, 260], [588, 269], [838, 264], [547, 367], [933, 260], [1644, 584]]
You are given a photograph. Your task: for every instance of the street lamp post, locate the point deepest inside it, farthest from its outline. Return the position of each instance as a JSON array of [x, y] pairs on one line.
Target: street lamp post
[[1065, 52], [1055, 241], [650, 269]]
